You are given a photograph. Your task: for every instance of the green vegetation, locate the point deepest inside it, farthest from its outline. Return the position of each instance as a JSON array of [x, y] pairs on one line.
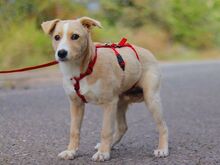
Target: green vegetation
[[171, 29]]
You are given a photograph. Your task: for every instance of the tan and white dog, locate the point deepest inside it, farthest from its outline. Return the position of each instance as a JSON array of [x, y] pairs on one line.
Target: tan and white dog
[[108, 85]]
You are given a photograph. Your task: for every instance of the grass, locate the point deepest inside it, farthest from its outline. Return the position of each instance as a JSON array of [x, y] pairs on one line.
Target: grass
[[26, 44]]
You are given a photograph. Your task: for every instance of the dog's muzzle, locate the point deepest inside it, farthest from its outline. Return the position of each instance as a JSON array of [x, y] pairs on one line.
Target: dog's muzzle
[[62, 54]]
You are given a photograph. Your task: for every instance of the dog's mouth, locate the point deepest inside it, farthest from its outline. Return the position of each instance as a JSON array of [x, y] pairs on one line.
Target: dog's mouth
[[62, 59], [68, 58]]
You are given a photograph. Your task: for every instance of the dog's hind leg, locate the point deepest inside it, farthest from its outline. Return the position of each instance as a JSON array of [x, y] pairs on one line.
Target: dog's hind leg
[[150, 82], [121, 123]]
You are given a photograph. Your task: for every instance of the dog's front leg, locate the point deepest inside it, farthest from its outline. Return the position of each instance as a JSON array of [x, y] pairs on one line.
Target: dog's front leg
[[77, 112], [109, 115]]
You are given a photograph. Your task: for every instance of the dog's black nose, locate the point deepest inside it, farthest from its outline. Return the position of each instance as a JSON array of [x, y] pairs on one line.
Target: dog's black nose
[[62, 54]]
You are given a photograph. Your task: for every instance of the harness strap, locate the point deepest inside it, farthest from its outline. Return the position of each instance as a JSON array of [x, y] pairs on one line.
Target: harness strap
[[119, 57], [122, 42], [130, 46], [89, 69], [82, 75]]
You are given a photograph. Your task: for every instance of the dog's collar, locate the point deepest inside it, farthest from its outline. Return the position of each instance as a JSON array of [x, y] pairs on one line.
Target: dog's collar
[[89, 69]]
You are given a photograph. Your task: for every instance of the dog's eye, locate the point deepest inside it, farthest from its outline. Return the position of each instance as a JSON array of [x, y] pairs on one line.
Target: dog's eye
[[74, 37], [57, 37]]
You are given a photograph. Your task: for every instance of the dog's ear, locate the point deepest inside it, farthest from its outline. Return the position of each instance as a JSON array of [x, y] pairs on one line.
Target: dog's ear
[[89, 22], [49, 26]]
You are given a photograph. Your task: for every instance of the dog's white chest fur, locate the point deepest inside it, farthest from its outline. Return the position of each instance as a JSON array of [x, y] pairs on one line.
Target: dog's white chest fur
[[90, 91]]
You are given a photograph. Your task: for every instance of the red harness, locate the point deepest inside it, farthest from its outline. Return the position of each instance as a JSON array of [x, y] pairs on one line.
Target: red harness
[[89, 69]]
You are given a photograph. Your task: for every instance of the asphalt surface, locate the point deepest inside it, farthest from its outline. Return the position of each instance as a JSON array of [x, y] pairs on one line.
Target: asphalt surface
[[34, 122]]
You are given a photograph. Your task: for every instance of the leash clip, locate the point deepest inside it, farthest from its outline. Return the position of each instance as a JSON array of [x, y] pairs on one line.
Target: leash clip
[[107, 44]]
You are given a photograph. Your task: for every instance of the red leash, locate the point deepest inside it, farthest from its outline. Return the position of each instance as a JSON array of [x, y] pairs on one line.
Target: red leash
[[30, 68]]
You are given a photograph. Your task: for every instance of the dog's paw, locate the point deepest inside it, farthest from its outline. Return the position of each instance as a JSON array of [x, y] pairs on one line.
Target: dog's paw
[[100, 157], [67, 154], [161, 153], [97, 146]]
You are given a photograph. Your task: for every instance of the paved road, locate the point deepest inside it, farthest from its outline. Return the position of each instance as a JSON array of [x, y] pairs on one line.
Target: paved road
[[34, 122]]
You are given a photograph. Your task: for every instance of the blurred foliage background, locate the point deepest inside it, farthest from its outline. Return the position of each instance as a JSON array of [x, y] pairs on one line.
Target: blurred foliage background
[[171, 29]]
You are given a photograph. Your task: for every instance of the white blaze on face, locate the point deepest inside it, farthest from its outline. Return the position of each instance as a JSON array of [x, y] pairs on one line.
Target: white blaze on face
[[64, 41]]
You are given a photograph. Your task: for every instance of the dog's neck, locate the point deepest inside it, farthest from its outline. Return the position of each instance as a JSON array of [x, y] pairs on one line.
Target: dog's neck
[[73, 68]]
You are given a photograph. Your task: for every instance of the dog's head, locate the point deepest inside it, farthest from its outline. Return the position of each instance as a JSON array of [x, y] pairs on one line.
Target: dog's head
[[69, 37]]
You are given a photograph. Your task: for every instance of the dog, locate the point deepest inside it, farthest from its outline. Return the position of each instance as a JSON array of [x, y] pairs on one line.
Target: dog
[[108, 85]]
